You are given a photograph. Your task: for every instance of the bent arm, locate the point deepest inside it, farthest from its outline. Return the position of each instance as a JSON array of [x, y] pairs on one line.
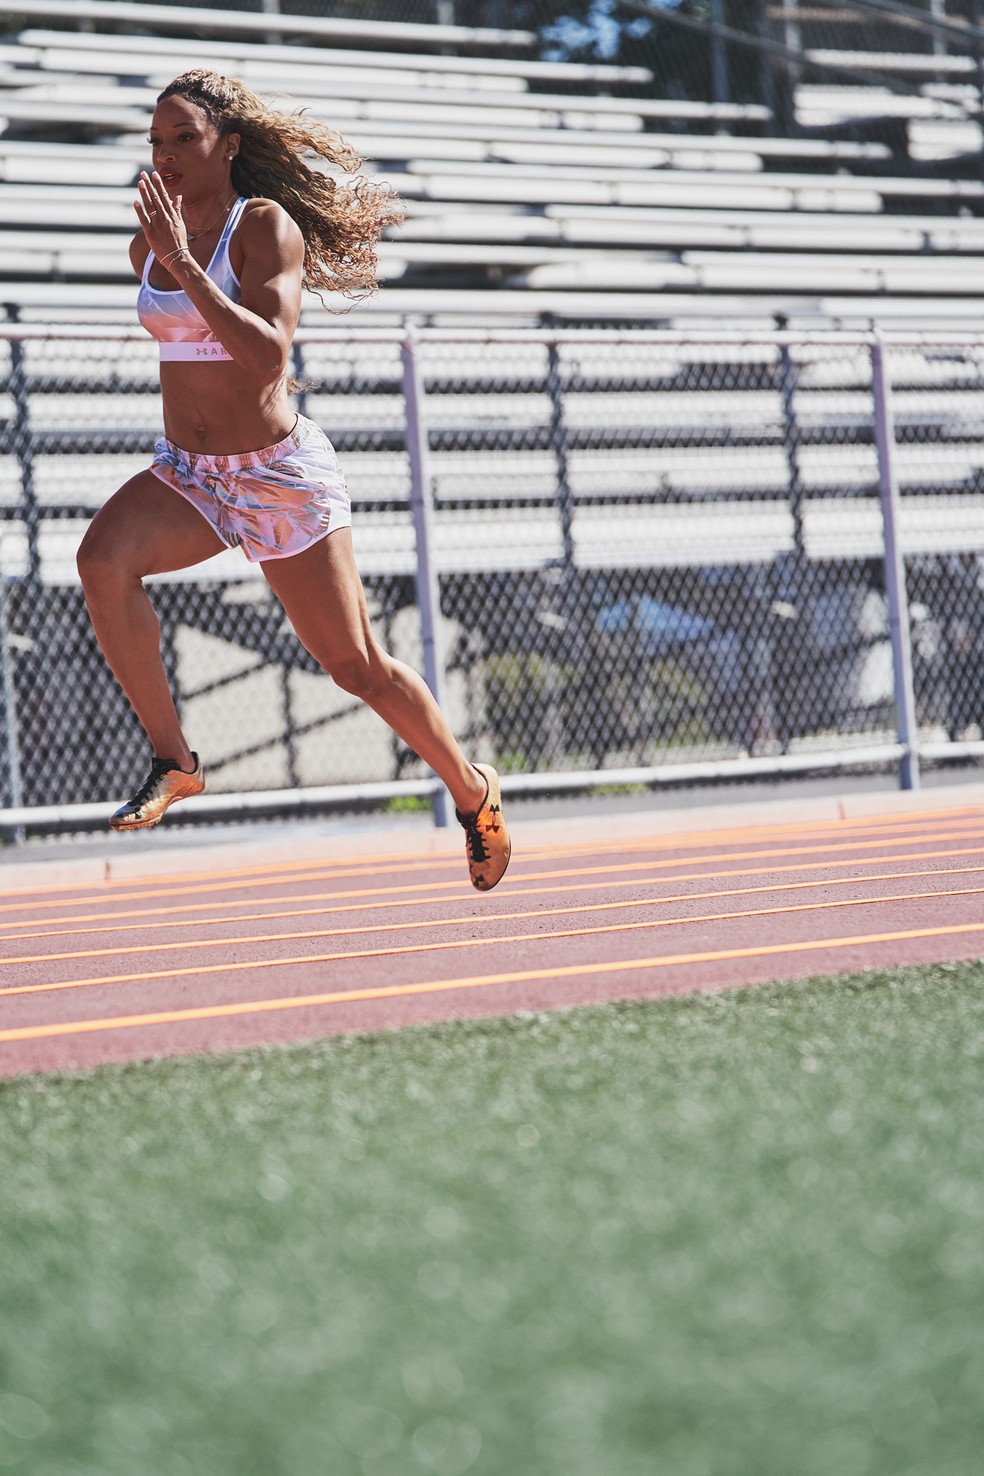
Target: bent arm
[[257, 331]]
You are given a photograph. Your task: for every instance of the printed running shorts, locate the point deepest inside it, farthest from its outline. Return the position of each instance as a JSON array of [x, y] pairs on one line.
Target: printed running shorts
[[270, 503]]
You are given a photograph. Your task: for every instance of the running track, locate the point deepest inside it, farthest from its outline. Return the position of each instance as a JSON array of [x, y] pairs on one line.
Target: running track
[[211, 959]]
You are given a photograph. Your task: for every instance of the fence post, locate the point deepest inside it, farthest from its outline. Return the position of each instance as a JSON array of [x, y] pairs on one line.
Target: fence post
[[788, 385], [575, 621], [422, 507], [30, 611], [558, 445], [793, 646], [271, 7], [23, 448], [898, 605], [720, 90], [299, 373], [767, 81], [11, 788]]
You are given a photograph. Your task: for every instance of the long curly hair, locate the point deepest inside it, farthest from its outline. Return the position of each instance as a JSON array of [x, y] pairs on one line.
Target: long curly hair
[[341, 220]]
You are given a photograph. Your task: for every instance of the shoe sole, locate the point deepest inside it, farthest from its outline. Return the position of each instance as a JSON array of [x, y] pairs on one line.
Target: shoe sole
[[139, 824]]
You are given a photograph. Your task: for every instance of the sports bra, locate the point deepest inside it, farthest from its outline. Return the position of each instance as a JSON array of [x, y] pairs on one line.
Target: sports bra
[[172, 318]]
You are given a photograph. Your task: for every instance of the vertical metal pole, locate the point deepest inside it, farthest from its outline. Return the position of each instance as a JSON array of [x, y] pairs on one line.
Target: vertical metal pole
[[898, 606], [574, 628], [301, 395], [272, 7], [975, 21], [290, 727], [24, 451], [792, 647], [937, 10], [422, 507], [767, 81], [35, 617], [10, 786], [719, 56], [792, 36], [788, 380], [792, 72], [559, 446]]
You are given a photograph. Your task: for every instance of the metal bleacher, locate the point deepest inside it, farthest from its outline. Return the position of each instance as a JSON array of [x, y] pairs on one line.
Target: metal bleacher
[[534, 189], [499, 156], [521, 176], [539, 195]]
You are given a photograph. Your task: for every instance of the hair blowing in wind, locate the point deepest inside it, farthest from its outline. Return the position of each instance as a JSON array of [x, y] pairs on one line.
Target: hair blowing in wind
[[341, 220]]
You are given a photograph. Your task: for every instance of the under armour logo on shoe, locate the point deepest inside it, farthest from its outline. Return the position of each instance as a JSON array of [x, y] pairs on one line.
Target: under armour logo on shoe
[[486, 837]]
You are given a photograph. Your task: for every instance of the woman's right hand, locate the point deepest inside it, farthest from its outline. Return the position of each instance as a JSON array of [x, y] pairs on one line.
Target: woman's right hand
[[160, 217]]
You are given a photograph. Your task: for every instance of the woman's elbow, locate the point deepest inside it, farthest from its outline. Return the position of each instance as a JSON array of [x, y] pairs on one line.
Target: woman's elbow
[[267, 362], [273, 368]]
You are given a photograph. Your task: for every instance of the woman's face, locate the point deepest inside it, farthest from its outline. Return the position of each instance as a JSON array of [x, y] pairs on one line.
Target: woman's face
[[189, 153]]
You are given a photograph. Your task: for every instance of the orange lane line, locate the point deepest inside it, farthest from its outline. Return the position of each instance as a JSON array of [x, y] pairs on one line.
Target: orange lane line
[[377, 906], [253, 876], [483, 942], [369, 863], [407, 925], [183, 909], [322, 911], [516, 878], [308, 870], [478, 981], [272, 876], [728, 834], [313, 870]]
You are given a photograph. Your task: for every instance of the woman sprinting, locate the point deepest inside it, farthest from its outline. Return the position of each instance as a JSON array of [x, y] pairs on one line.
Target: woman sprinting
[[233, 223]]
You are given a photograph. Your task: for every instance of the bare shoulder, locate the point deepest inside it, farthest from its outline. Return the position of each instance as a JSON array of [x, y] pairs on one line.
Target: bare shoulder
[[139, 251], [265, 225]]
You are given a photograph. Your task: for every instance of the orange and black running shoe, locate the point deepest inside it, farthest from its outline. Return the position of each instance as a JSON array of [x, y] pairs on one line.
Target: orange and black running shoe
[[487, 843], [164, 784]]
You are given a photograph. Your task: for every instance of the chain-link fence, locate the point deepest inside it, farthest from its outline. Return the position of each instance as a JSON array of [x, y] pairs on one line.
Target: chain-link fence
[[616, 554]]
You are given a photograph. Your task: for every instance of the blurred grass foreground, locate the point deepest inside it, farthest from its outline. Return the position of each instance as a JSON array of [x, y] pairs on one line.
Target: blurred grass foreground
[[735, 1234]]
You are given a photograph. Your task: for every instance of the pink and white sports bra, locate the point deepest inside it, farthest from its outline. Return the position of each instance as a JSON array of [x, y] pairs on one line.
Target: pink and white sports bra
[[172, 318]]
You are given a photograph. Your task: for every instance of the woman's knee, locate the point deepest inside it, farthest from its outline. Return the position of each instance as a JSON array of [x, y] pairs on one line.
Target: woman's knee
[[358, 671], [104, 561], [93, 557]]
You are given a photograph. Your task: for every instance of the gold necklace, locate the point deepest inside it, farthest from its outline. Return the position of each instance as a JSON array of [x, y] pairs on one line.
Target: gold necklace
[[193, 236]]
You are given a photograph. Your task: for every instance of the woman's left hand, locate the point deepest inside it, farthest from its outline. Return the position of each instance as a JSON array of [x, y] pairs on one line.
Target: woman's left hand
[[159, 216]]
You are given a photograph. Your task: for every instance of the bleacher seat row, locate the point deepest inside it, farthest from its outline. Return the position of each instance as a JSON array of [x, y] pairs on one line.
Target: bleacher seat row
[[520, 175], [537, 192], [534, 190]]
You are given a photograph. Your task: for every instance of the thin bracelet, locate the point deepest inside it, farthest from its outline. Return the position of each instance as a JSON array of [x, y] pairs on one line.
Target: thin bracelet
[[181, 251]]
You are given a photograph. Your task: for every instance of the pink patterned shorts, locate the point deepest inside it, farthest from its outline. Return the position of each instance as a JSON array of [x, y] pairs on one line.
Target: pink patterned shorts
[[270, 503]]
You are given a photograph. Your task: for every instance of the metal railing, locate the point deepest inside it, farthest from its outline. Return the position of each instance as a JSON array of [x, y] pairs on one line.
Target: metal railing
[[620, 557]]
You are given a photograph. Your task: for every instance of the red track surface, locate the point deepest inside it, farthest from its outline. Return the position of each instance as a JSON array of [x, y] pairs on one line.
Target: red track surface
[[207, 960]]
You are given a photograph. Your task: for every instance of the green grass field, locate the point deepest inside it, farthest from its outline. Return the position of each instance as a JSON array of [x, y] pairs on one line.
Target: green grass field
[[727, 1235]]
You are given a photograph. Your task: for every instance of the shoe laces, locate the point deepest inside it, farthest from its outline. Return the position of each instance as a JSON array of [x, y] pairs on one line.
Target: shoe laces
[[158, 769], [475, 840]]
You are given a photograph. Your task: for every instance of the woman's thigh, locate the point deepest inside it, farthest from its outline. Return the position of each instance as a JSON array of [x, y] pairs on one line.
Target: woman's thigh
[[322, 595], [148, 528]]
